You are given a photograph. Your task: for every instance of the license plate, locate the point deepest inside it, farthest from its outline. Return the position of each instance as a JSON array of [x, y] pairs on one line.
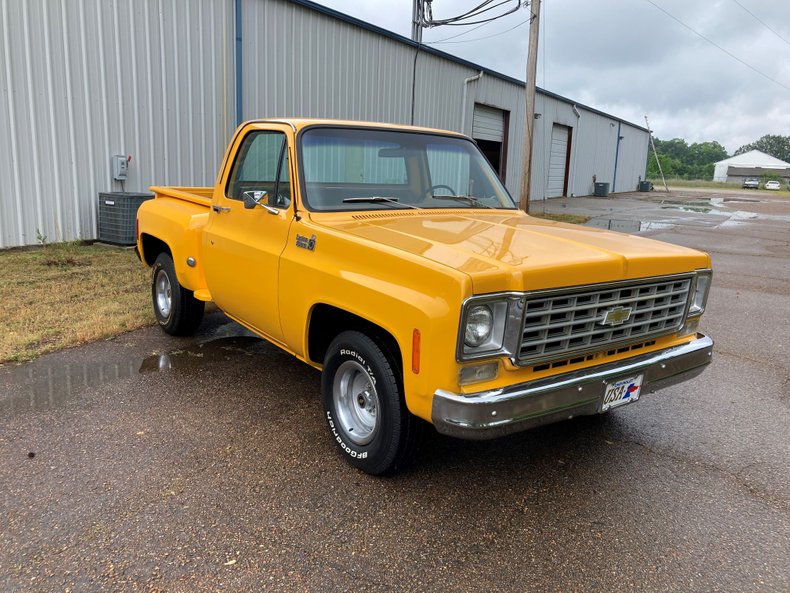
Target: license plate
[[622, 391]]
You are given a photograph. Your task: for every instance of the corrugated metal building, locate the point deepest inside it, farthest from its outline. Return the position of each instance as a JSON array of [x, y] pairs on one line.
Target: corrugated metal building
[[166, 80], [750, 164]]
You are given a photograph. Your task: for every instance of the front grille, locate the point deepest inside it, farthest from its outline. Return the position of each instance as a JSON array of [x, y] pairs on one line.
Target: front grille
[[564, 323]]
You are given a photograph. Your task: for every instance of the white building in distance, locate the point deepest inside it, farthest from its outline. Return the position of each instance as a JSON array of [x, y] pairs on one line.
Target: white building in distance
[[750, 164]]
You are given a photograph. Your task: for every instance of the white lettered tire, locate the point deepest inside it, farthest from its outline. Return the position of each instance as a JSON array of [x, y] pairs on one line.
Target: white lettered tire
[[365, 410]]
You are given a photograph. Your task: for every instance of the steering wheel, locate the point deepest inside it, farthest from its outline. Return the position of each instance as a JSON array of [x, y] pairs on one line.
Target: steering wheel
[[442, 186]]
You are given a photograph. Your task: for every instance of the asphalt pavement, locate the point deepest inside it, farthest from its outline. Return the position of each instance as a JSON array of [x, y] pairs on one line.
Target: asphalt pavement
[[150, 463]]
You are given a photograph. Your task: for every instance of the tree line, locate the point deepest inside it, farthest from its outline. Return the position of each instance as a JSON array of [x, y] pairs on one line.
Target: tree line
[[679, 159]]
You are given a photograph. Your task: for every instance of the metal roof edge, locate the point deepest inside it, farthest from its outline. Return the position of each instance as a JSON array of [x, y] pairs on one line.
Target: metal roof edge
[[777, 162], [314, 6]]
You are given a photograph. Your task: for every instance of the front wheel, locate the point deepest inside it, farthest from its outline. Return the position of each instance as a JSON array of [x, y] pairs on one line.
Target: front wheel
[[177, 310], [364, 405]]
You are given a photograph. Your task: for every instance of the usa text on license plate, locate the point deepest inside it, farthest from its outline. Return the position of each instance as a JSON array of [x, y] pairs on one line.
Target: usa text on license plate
[[622, 391]]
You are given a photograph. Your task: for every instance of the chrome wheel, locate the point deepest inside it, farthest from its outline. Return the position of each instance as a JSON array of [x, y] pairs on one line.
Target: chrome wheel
[[163, 293], [356, 402]]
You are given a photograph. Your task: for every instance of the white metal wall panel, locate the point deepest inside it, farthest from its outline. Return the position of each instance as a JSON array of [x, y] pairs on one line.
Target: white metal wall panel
[[594, 154], [85, 79], [719, 170], [298, 62], [558, 152], [488, 123], [631, 160]]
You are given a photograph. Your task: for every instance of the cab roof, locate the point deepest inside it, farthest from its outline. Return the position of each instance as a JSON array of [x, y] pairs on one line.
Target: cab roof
[[299, 123]]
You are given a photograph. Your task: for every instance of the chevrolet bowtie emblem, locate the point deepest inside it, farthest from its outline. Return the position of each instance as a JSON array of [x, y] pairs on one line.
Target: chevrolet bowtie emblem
[[616, 316]]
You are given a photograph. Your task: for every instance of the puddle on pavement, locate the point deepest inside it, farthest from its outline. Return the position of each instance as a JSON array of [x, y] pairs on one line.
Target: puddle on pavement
[[627, 226], [687, 208], [692, 203], [219, 349], [697, 206], [736, 201], [47, 382]]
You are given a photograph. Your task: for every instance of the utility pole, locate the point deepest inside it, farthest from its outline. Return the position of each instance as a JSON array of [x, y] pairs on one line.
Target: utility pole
[[529, 116], [653, 144], [416, 21]]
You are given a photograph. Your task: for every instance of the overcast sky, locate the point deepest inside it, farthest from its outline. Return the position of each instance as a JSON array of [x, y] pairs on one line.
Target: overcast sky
[[630, 59]]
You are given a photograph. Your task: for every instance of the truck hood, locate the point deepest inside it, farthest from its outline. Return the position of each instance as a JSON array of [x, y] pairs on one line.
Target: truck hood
[[514, 251]]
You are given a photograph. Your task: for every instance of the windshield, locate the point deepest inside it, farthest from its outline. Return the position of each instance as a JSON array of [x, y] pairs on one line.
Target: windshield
[[347, 169]]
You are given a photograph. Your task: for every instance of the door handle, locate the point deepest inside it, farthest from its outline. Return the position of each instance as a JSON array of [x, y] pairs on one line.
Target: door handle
[[219, 209]]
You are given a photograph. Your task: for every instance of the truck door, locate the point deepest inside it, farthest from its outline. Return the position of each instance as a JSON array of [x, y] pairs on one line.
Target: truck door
[[241, 246]]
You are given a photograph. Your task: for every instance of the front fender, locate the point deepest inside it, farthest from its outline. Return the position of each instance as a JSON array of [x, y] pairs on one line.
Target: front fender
[[396, 292]]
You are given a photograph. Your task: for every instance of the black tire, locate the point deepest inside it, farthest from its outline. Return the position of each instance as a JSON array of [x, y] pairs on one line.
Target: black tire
[[362, 393], [177, 310]]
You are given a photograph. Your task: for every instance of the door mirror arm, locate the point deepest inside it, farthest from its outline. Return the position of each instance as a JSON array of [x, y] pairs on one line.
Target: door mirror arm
[[255, 198]]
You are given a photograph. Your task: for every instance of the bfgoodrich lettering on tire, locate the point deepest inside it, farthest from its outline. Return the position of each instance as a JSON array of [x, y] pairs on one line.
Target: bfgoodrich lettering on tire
[[177, 311], [364, 405]]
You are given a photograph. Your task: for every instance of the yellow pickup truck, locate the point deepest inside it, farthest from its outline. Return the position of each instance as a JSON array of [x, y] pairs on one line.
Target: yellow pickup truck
[[393, 259]]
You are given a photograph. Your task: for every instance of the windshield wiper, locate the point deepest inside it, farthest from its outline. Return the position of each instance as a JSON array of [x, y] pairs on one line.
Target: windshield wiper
[[378, 200], [465, 199]]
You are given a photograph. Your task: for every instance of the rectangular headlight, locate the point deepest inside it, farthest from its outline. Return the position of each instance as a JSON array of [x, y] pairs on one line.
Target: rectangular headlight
[[701, 288], [487, 325]]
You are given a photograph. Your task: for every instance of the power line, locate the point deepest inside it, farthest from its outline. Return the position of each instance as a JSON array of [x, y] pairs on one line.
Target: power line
[[713, 43], [425, 13], [763, 23], [529, 20], [459, 34]]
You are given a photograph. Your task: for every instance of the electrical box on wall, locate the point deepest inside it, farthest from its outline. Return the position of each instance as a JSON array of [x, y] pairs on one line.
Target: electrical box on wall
[[120, 166]]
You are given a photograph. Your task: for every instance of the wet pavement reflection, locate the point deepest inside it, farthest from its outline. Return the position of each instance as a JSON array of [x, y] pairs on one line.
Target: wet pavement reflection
[[51, 381], [714, 211], [627, 226], [219, 349], [38, 386]]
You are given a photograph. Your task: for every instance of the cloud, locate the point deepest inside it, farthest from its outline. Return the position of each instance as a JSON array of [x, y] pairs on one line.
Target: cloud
[[629, 58]]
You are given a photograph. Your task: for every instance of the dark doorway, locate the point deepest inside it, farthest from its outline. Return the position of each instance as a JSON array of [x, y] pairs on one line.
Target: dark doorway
[[493, 152]]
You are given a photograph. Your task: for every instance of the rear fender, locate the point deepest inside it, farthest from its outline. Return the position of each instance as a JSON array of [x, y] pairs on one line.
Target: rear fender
[[179, 226]]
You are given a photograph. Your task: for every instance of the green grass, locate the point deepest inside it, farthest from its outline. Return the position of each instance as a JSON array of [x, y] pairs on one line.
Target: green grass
[[63, 294], [701, 183], [695, 183], [570, 218]]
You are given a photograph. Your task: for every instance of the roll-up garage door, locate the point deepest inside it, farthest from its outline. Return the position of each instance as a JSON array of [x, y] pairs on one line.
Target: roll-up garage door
[[489, 129], [488, 123], [558, 161]]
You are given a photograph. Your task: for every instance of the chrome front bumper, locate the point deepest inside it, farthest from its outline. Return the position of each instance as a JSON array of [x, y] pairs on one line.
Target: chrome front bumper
[[490, 414]]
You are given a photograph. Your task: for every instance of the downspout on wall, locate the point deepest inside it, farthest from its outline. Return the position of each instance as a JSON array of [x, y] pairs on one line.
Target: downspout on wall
[[616, 154], [575, 137], [477, 76]]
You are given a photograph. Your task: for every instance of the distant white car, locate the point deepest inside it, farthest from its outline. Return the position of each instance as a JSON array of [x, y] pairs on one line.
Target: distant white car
[[773, 185]]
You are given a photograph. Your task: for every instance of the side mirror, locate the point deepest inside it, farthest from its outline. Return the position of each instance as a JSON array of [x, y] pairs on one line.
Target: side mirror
[[258, 198], [253, 198]]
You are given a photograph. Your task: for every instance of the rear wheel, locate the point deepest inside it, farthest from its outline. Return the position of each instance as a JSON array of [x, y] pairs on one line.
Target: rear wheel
[[177, 310], [364, 405]]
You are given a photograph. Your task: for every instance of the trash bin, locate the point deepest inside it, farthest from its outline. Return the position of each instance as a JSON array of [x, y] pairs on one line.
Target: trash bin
[[645, 186], [117, 216], [601, 189]]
